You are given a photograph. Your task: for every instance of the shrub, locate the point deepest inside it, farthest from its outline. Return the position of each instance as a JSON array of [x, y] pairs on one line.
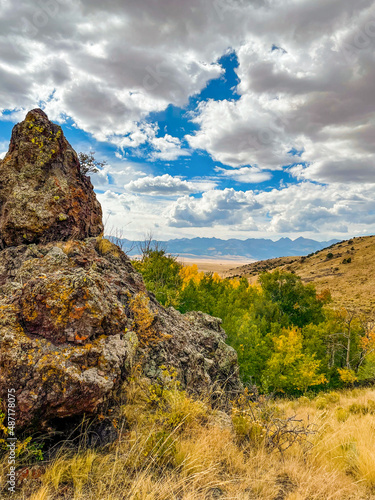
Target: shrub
[[256, 419], [363, 409], [342, 414], [89, 164], [347, 376], [332, 397], [161, 273], [321, 403], [248, 429]]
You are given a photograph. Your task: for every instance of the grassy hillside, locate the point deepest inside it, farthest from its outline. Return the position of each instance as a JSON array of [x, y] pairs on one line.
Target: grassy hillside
[[173, 447], [347, 269]]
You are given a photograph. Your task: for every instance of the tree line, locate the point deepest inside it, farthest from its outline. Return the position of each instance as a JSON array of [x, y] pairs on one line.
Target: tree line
[[288, 338]]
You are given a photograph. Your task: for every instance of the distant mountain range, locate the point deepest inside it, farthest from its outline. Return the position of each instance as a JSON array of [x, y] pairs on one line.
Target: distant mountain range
[[254, 248]]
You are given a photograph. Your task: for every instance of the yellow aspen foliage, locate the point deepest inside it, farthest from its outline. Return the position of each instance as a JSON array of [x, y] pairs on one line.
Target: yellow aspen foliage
[[347, 376], [190, 273], [290, 367], [368, 343]]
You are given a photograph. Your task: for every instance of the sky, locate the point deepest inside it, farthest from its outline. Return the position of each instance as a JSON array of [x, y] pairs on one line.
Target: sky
[[226, 118]]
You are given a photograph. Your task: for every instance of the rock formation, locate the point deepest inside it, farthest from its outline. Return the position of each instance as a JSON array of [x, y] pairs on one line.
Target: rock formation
[[43, 195], [73, 313]]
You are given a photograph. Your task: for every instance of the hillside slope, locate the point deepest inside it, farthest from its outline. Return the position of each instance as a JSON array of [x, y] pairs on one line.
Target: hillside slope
[[346, 268]]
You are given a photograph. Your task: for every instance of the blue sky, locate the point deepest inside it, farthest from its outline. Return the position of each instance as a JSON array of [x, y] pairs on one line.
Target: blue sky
[[216, 118]]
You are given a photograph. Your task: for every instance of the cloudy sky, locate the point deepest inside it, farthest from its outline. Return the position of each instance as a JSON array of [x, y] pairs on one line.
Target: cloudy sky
[[226, 118]]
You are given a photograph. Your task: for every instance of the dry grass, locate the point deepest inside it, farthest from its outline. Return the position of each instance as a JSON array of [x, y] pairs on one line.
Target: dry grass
[[106, 247], [173, 447], [351, 284]]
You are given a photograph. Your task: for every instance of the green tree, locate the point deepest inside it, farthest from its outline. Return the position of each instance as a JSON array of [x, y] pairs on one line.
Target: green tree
[[89, 164], [253, 348], [297, 301], [161, 273]]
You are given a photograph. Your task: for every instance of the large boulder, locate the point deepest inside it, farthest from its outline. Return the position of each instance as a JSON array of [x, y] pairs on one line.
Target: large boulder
[[43, 195], [71, 327]]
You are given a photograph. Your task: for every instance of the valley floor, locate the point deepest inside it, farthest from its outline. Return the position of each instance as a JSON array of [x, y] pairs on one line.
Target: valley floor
[[211, 265]]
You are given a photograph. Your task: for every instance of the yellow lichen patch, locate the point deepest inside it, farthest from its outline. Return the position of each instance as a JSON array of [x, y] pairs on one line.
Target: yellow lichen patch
[[144, 321], [57, 301]]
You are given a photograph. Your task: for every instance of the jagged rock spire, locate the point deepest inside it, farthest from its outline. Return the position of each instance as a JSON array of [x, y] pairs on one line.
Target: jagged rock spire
[[43, 195]]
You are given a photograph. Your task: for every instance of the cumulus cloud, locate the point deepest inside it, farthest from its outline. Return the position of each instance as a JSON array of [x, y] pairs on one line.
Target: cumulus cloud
[[309, 96], [129, 212], [243, 132], [308, 209], [305, 68], [166, 148], [167, 185], [304, 208], [108, 66], [214, 207]]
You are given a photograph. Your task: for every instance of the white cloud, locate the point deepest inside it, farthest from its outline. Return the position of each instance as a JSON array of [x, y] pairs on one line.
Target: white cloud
[[114, 175], [249, 175], [108, 66], [214, 207], [167, 148], [304, 208], [244, 132], [167, 185], [308, 96]]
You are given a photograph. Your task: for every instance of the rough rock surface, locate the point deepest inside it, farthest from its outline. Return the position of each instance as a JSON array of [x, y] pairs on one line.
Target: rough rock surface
[[67, 332], [75, 316], [43, 195]]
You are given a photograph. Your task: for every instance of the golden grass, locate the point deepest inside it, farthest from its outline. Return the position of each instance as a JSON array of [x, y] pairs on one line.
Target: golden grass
[[173, 447], [106, 247]]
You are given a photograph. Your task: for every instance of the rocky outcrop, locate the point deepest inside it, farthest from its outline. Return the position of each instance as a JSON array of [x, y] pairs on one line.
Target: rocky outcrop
[[43, 195], [75, 317], [68, 334]]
